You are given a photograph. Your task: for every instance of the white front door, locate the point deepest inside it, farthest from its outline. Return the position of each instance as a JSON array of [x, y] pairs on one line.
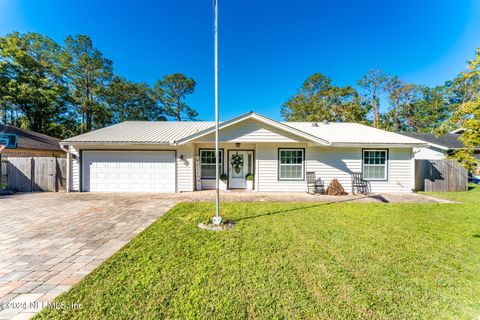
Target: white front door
[[240, 164]]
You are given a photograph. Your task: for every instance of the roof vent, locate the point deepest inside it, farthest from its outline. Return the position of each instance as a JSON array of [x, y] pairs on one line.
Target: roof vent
[[314, 124], [325, 121]]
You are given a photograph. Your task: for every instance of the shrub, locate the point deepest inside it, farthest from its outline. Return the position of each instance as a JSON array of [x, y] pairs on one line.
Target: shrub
[[223, 177], [249, 177]]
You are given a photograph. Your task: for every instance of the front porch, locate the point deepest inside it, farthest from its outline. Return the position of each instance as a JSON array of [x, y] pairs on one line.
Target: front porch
[[237, 162]]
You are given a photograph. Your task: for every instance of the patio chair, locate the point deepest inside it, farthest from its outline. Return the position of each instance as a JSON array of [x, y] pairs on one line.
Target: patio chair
[[315, 185], [359, 183]]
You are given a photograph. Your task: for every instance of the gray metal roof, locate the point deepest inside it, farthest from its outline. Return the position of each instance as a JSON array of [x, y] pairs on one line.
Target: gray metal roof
[[163, 132], [166, 132]]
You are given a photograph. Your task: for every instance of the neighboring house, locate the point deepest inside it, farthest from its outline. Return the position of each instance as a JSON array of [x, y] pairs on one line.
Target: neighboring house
[[31, 144], [179, 156], [439, 147]]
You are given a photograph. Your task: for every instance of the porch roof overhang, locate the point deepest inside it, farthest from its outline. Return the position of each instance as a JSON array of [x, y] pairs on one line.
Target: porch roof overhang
[[252, 115]]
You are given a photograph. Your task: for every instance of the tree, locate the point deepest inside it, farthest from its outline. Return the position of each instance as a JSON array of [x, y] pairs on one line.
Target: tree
[[398, 93], [32, 80], [171, 92], [88, 72], [130, 101], [374, 84], [467, 112], [318, 100]]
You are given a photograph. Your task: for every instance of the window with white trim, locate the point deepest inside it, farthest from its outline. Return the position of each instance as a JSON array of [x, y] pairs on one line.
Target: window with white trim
[[207, 163], [291, 164], [375, 164]]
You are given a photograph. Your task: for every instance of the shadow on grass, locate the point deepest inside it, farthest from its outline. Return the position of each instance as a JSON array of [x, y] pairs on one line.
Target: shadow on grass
[[476, 236], [380, 198]]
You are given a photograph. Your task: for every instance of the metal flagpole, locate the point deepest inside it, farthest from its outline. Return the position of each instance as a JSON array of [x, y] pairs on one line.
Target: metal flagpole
[[217, 219]]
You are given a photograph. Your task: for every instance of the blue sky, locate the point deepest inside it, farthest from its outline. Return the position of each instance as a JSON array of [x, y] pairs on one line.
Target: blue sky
[[267, 48]]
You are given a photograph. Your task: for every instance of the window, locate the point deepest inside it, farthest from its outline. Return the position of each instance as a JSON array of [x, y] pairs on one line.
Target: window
[[207, 163], [375, 164], [290, 165]]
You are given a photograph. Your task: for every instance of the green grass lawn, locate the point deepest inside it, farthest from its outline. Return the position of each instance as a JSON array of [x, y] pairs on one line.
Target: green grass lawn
[[294, 261]]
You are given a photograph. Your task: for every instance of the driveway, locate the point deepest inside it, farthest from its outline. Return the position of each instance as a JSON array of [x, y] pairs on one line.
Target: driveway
[[50, 241]]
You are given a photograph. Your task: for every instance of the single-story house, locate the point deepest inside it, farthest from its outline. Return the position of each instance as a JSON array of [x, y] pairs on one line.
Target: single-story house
[[439, 146], [136, 156], [30, 144]]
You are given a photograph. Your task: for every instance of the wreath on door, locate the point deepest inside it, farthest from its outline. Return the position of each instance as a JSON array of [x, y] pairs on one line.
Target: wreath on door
[[237, 163]]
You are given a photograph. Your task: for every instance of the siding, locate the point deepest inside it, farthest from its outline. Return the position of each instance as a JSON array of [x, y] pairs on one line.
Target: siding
[[267, 157], [431, 153], [185, 176], [208, 184], [400, 172], [74, 169], [252, 131], [339, 163], [334, 163]]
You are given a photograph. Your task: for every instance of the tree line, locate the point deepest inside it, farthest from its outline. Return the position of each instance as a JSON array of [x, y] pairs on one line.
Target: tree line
[[64, 90], [411, 107], [71, 88]]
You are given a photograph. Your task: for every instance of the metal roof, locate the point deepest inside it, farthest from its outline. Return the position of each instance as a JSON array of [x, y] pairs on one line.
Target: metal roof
[[163, 132], [339, 133], [166, 132]]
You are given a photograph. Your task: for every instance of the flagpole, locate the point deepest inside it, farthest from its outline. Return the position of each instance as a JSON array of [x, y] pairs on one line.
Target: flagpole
[[217, 218]]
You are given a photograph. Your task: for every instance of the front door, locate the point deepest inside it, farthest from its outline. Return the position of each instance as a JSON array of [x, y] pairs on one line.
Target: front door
[[240, 164]]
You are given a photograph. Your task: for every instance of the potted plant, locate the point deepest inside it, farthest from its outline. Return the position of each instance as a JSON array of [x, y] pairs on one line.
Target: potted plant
[[223, 181], [249, 178]]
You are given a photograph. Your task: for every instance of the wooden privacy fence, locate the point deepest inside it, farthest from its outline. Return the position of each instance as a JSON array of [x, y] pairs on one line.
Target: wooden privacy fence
[[27, 174], [440, 176]]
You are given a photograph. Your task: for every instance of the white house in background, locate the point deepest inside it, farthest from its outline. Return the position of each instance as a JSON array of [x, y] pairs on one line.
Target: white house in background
[[439, 147], [137, 156]]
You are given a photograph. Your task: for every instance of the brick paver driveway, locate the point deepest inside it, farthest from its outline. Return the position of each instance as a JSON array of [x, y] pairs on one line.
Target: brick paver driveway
[[49, 241]]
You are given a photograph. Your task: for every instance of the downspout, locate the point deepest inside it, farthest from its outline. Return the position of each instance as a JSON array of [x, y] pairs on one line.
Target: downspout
[[67, 150]]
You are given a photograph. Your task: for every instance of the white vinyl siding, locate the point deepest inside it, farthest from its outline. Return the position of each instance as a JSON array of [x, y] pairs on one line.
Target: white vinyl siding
[[338, 163], [431, 153], [74, 169], [267, 174], [185, 177], [330, 163], [252, 131]]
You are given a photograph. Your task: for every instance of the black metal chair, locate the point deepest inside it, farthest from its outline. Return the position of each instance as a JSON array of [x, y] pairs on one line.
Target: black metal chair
[[315, 185], [359, 183]]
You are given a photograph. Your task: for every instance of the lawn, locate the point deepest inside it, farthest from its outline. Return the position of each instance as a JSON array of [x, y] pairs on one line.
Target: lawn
[[294, 261]]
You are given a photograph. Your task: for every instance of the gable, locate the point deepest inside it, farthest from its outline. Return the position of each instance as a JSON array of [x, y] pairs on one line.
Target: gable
[[251, 130]]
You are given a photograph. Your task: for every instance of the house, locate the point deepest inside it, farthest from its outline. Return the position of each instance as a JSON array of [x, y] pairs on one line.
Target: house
[[179, 156], [439, 147], [30, 144]]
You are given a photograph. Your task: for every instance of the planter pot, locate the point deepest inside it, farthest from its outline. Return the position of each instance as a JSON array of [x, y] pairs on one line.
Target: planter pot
[[249, 184], [223, 185]]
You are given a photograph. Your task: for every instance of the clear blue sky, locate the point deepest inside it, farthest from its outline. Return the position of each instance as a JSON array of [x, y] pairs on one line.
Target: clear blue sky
[[268, 47]]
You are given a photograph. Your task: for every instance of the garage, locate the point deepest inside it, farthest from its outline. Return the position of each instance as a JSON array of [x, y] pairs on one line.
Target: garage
[[128, 171]]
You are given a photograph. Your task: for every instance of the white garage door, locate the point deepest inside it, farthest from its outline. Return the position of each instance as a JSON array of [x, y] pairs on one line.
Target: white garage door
[[129, 171]]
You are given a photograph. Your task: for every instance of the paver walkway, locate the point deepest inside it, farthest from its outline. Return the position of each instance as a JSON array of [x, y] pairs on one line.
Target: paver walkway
[[50, 241]]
